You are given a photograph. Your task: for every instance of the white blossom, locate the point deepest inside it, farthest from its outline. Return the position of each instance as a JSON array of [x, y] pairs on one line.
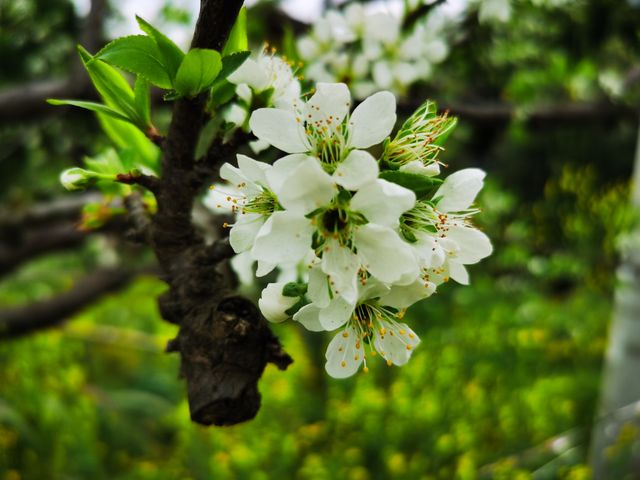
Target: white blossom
[[273, 304]]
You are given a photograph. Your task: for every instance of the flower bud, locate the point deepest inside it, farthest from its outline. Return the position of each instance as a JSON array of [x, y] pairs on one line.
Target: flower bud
[[273, 304], [74, 179]]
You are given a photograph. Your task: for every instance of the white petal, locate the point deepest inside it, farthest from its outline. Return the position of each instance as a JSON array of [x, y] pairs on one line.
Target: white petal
[[279, 128], [397, 343], [358, 169], [383, 202], [337, 313], [331, 100], [232, 174], [382, 74], [300, 183], [235, 114], [242, 265], [308, 48], [251, 73], [309, 317], [273, 304], [258, 146], [373, 120], [384, 254], [459, 273], [318, 289], [264, 268], [243, 233], [429, 251], [244, 92], [416, 166], [342, 266], [382, 27], [459, 190], [372, 289], [218, 200], [285, 237], [253, 170], [406, 295], [345, 354], [473, 244]]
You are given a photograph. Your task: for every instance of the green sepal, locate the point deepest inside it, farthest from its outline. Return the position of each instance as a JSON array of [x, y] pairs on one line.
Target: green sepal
[[294, 289], [421, 185], [291, 311]]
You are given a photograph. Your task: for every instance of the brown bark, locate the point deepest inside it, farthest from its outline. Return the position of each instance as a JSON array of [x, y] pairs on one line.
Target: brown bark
[[224, 341]]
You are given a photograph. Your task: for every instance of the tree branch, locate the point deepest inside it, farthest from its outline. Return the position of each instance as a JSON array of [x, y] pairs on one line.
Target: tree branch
[[52, 312], [421, 11], [224, 341], [26, 101], [545, 116]]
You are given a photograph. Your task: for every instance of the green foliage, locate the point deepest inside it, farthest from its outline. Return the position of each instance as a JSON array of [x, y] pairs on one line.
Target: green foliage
[[238, 40], [171, 54], [420, 184], [197, 71], [140, 55]]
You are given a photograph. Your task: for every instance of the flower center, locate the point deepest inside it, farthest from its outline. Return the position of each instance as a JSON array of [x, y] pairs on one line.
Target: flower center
[[264, 203]]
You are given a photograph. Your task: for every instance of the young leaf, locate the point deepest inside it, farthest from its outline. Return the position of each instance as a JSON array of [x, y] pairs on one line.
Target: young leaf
[[126, 136], [142, 99], [112, 87], [420, 184], [94, 107], [238, 37], [172, 56], [197, 71], [137, 54]]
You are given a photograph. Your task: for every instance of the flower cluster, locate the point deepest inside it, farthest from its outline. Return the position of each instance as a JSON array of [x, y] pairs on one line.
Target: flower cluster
[[371, 50], [374, 235]]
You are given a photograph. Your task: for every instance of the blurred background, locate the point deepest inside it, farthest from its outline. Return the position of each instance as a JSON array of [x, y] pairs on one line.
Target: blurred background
[[508, 378]]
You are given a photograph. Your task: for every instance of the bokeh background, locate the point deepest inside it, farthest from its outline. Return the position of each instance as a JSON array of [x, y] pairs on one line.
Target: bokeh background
[[506, 381]]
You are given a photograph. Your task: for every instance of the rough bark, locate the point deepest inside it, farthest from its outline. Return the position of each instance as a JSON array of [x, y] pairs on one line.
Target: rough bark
[[621, 380], [224, 341]]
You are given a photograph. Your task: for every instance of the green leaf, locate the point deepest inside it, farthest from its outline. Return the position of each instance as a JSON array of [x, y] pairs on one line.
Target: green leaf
[[294, 289], [126, 136], [197, 71], [94, 107], [207, 136], [142, 99], [112, 87], [238, 40], [171, 54], [221, 93], [137, 54], [420, 184]]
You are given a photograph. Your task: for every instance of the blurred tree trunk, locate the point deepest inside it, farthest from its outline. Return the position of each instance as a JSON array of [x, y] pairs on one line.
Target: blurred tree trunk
[[615, 451]]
